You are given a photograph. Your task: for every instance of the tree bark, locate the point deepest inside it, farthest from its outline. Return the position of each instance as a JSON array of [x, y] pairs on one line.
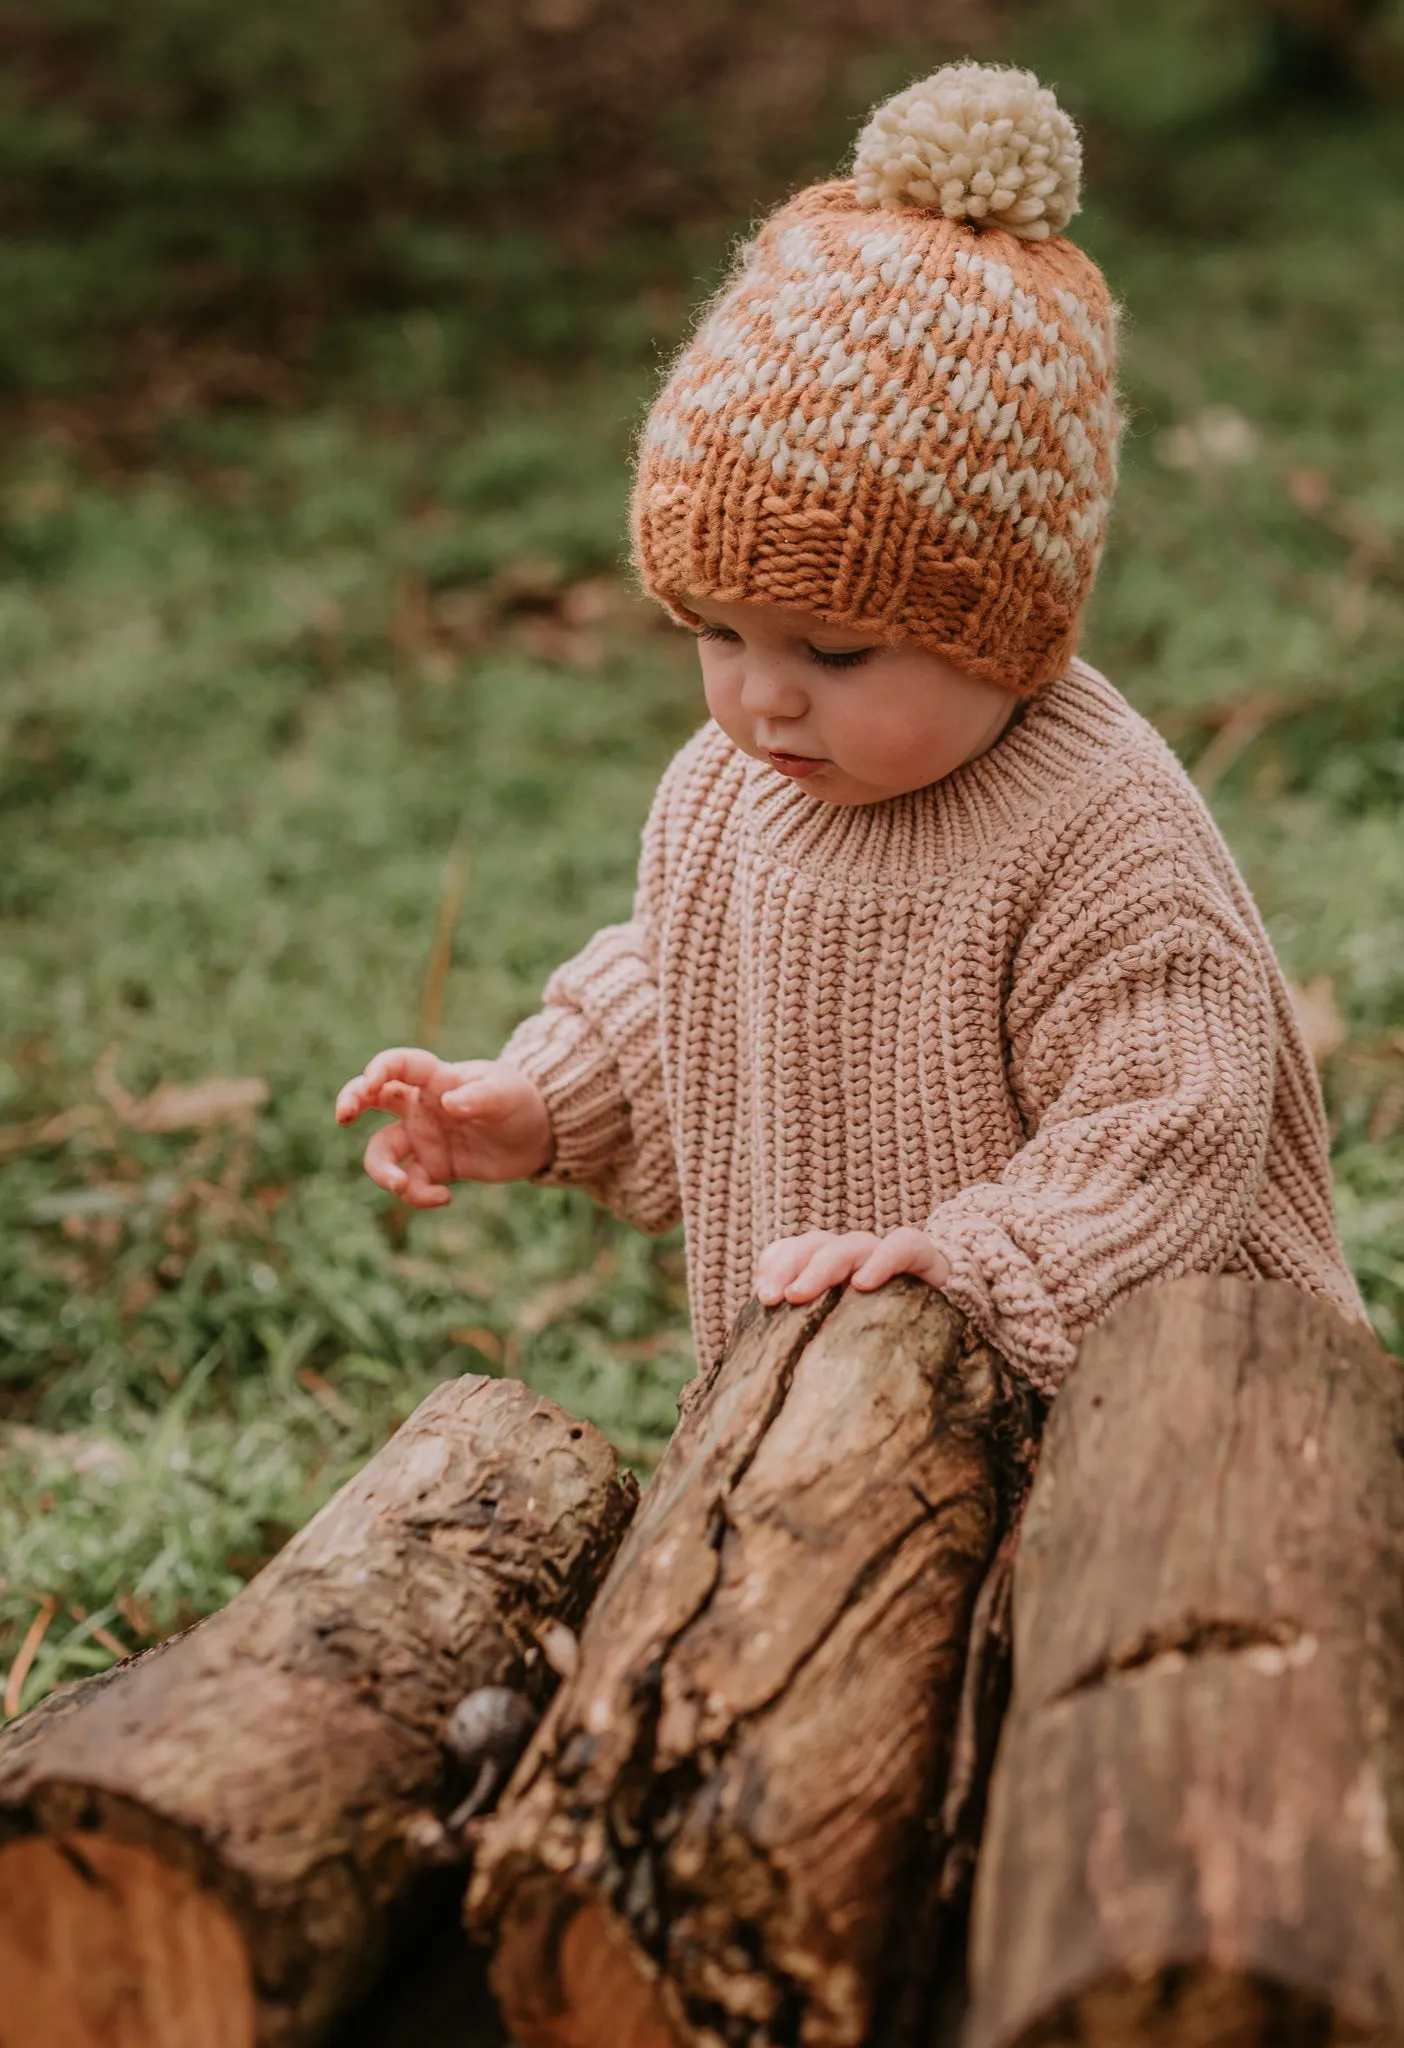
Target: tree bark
[[712, 1834], [1197, 1814], [216, 1841]]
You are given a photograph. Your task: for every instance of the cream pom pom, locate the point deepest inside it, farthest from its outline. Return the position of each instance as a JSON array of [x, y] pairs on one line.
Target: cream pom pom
[[976, 142]]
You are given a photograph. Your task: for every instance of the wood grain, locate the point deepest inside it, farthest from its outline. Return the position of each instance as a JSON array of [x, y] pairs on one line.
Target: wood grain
[[1195, 1825], [275, 1760], [102, 1945]]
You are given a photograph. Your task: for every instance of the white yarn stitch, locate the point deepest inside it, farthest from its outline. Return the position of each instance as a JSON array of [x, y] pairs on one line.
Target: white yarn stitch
[[978, 142]]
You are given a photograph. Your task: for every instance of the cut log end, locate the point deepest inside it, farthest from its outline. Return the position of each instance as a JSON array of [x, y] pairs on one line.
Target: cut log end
[[1194, 2006], [589, 1982], [104, 1945], [291, 1748]]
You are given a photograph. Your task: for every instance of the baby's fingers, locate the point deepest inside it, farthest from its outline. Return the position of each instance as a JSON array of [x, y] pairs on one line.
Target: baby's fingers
[[782, 1261], [482, 1100], [384, 1157], [830, 1266], [374, 1089], [392, 1165], [903, 1251], [352, 1100]]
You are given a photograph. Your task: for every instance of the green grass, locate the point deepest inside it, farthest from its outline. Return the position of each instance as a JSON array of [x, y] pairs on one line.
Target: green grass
[[257, 686]]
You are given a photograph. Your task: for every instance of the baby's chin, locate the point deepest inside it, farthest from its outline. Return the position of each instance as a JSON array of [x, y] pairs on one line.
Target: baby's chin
[[835, 784], [850, 792]]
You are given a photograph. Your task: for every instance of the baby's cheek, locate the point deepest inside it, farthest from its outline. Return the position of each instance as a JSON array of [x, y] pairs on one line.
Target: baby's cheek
[[723, 703], [893, 747]]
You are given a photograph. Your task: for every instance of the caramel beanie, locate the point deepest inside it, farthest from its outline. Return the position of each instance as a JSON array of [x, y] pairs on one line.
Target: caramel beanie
[[900, 414]]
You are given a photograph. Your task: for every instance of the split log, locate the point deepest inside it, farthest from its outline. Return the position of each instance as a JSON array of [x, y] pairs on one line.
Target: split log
[[714, 1834], [216, 1842], [1197, 1815]]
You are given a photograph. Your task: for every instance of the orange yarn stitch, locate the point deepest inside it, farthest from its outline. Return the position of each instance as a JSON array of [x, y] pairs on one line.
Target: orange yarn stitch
[[901, 421]]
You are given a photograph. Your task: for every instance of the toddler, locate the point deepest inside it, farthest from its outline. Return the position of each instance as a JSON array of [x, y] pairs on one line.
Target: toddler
[[937, 964]]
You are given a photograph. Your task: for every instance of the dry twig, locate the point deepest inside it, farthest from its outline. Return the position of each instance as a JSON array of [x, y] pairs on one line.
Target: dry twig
[[28, 1651]]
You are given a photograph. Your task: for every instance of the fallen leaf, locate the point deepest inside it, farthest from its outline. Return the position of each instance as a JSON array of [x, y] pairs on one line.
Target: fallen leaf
[[1320, 1022], [1387, 1116], [192, 1107], [1309, 489], [140, 1291], [81, 1454], [1219, 438], [48, 1130], [480, 1338], [114, 1198], [663, 1344], [462, 618], [527, 586], [555, 1300], [552, 640], [100, 1634], [589, 602], [326, 1396], [139, 1619]]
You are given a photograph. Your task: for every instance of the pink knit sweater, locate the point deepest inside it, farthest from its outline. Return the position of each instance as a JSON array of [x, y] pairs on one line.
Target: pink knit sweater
[[1031, 1009]]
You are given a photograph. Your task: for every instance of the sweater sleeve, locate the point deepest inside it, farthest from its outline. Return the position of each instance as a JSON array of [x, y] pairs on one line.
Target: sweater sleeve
[[1142, 1052], [594, 1049]]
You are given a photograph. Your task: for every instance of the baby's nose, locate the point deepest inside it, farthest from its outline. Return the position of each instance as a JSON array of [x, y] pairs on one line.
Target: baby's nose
[[769, 690]]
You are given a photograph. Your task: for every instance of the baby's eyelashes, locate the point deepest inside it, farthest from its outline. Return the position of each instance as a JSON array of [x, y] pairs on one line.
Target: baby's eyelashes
[[846, 657]]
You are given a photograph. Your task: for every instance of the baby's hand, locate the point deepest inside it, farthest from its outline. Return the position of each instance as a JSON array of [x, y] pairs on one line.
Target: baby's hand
[[474, 1120], [802, 1268]]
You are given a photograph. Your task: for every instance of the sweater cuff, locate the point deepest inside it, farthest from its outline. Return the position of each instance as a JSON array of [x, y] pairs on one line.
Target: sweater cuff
[[995, 1282], [562, 1052]]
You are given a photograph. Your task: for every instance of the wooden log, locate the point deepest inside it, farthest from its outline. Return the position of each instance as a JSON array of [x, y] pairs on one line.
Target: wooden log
[[215, 1842], [715, 1830], [1195, 1826]]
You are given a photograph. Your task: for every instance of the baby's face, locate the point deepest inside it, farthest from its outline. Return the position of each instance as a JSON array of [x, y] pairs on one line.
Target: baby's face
[[854, 719]]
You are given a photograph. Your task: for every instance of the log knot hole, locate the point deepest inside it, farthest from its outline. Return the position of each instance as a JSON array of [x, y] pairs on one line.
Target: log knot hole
[[1271, 1647]]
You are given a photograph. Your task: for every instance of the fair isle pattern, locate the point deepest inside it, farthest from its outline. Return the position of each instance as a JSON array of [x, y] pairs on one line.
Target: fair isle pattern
[[1031, 1009], [899, 422]]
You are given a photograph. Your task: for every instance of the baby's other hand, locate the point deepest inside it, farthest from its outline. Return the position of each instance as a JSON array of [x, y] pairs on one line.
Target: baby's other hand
[[464, 1120], [802, 1268]]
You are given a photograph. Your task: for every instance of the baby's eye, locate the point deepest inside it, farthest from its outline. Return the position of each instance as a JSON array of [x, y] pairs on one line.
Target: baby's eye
[[709, 632], [851, 657]]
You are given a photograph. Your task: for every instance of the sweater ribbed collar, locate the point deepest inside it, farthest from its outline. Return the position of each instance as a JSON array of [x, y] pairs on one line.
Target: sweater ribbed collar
[[1076, 725]]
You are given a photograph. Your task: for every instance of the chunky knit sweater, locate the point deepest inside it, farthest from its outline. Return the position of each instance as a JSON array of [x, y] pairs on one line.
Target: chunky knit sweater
[[1031, 1008]]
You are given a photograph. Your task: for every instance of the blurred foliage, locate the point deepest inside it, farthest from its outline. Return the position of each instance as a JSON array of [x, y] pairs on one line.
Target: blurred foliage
[[254, 697], [188, 171], [233, 202], [264, 667]]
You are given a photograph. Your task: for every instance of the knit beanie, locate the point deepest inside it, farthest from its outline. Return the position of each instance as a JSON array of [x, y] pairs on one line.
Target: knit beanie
[[899, 413]]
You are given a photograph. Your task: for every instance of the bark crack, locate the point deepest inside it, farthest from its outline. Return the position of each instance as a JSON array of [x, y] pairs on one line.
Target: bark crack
[[77, 1861], [1190, 1639], [647, 1697]]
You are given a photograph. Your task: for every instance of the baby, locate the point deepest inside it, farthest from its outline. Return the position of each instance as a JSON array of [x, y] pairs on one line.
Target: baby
[[937, 964]]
